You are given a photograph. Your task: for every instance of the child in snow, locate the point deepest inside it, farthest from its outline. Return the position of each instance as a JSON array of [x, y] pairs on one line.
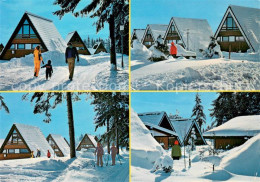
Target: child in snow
[[38, 153], [176, 151], [99, 152], [173, 51], [32, 156], [48, 154], [113, 154], [49, 69]]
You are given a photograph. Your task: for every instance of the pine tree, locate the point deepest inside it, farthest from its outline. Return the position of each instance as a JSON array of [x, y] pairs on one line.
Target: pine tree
[[197, 111], [44, 102], [106, 11], [88, 43], [3, 104]]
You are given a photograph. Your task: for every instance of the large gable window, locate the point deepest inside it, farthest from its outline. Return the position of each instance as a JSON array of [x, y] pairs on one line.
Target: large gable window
[[26, 31], [229, 23]]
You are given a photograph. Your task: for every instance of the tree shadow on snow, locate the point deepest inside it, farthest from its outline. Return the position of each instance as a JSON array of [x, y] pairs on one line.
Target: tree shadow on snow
[[162, 176]]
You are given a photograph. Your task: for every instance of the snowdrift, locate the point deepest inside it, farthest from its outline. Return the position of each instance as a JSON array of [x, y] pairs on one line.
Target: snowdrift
[[139, 51], [145, 149], [245, 159]]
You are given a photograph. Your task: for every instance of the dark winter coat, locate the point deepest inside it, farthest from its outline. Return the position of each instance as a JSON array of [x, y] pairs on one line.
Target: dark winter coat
[[176, 151], [48, 68], [71, 53]]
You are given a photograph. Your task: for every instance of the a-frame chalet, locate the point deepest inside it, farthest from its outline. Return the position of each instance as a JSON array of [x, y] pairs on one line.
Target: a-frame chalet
[[22, 140], [33, 30], [239, 29], [59, 144], [152, 32], [137, 34], [88, 141], [160, 127], [192, 34], [77, 42], [97, 48]]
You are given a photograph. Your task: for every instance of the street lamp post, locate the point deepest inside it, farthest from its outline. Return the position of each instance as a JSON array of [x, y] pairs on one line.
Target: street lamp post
[[122, 41]]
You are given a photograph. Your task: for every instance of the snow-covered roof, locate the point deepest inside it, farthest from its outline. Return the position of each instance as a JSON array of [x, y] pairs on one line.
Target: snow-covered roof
[[152, 117], [249, 20], [62, 144], [161, 128], [139, 33], [92, 51], [48, 33], [34, 138], [158, 29], [182, 127], [238, 126], [92, 139], [199, 32], [69, 36], [1, 142]]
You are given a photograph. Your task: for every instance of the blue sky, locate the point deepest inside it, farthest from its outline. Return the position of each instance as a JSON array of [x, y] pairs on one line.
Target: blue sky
[[11, 11], [145, 12], [22, 112], [172, 101]]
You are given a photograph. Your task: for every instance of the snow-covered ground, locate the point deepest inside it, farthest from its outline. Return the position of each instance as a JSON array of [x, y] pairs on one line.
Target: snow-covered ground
[[241, 72], [238, 164], [91, 73], [63, 169]]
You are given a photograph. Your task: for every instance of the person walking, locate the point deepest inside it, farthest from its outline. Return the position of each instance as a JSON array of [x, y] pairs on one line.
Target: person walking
[[38, 153], [70, 56], [173, 50], [99, 153], [114, 151], [48, 70], [176, 151], [48, 154], [37, 54]]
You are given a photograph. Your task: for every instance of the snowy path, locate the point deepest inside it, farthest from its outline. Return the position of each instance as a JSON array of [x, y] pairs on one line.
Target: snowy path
[[183, 74], [92, 73]]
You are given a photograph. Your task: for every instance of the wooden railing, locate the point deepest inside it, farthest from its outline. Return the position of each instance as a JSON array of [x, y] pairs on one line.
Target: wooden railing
[[27, 36]]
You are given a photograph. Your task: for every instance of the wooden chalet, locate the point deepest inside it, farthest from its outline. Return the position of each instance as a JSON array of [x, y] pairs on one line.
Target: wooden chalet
[[77, 42], [1, 47], [22, 140], [191, 34], [88, 141], [59, 144], [97, 48], [238, 30], [31, 31], [184, 127], [137, 35], [152, 32], [160, 127], [234, 132]]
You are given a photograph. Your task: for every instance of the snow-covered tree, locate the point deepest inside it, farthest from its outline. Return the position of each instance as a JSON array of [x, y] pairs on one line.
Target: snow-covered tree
[[159, 49], [213, 50], [197, 111], [106, 11]]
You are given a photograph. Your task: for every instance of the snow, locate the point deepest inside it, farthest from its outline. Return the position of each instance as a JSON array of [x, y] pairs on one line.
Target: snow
[[199, 32], [48, 33], [156, 53], [139, 34], [152, 117], [92, 51], [92, 139], [156, 30], [62, 144], [155, 133], [92, 72], [197, 74], [1, 142], [249, 20], [69, 36], [139, 51], [182, 128], [182, 52], [249, 153], [34, 138], [238, 126]]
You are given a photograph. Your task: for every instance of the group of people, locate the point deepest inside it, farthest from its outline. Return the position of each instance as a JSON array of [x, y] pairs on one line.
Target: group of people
[[70, 55], [100, 152], [38, 154]]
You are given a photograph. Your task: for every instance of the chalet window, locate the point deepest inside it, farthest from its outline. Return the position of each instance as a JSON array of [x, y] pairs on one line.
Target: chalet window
[[21, 46], [240, 38], [28, 46], [81, 48], [11, 151], [219, 39], [229, 23], [24, 151], [225, 39], [13, 46], [26, 31], [231, 38], [34, 45]]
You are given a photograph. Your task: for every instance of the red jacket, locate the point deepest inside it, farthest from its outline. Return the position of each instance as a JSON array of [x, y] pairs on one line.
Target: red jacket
[[173, 49], [48, 154]]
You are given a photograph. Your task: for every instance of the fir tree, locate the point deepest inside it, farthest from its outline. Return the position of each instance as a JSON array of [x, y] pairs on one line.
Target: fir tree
[[3, 104], [197, 111], [88, 43]]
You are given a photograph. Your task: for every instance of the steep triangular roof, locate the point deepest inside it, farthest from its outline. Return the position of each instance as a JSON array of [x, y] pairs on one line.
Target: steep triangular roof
[[247, 20], [156, 30], [61, 143], [69, 36], [44, 29], [91, 139], [76, 34], [139, 33], [32, 137], [199, 32], [95, 47], [1, 142]]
